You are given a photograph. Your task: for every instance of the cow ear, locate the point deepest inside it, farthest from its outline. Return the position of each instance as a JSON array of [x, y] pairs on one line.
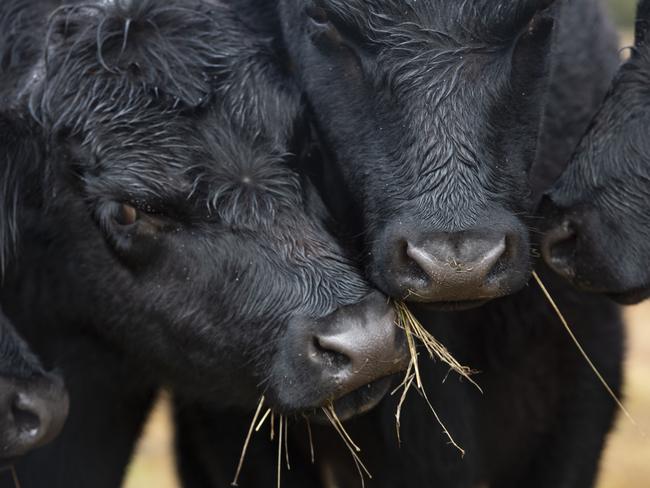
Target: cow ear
[[642, 23], [21, 151], [532, 49], [529, 78], [518, 15]]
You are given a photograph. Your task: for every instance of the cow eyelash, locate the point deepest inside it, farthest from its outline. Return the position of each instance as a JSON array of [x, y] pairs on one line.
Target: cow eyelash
[[334, 29], [317, 15]]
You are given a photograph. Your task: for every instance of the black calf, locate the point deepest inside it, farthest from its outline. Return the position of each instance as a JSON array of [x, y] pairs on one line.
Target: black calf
[[33, 403], [541, 420], [599, 238], [432, 110], [167, 229]]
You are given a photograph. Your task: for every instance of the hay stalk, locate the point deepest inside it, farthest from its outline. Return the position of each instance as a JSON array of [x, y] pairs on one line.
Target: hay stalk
[[413, 329], [330, 413], [311, 440], [247, 442], [582, 350]]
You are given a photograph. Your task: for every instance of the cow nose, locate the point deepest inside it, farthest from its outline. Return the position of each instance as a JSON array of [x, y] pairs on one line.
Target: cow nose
[[468, 261], [453, 269], [33, 414], [361, 344], [559, 248], [458, 266], [350, 351]]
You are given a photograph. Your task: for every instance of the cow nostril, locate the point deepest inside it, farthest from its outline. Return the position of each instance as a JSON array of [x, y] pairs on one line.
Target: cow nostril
[[25, 417], [328, 355], [504, 255], [559, 249]]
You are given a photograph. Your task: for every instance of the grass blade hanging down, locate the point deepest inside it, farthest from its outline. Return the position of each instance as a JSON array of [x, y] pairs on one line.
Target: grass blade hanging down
[[264, 417], [409, 323], [286, 442], [583, 352], [280, 451], [311, 440], [247, 442], [14, 476], [413, 329], [330, 413]]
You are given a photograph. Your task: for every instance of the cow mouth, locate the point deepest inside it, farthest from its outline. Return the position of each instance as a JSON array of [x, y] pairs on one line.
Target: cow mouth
[[454, 306], [355, 403]]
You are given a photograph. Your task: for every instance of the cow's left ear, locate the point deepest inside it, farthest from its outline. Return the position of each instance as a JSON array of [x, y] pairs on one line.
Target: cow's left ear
[[512, 18], [531, 55], [21, 152], [529, 78]]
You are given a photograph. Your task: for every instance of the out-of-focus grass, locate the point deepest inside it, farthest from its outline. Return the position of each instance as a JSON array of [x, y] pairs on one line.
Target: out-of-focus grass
[[623, 12], [626, 463], [627, 459], [153, 465]]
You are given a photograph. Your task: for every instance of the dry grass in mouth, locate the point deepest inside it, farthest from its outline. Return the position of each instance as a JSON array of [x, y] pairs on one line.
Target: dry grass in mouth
[[414, 329], [283, 435], [14, 475], [583, 352], [248, 440], [283, 442], [330, 413]]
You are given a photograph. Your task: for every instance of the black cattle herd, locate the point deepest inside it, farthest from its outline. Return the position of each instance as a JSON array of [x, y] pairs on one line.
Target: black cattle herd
[[228, 199]]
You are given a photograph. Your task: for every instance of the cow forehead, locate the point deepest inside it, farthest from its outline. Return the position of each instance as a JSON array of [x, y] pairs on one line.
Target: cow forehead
[[446, 15], [184, 157]]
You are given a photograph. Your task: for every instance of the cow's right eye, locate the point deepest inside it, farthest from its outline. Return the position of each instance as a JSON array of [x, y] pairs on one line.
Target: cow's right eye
[[317, 15], [126, 215]]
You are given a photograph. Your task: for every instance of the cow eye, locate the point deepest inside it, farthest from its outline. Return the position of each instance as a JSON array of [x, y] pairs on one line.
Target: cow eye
[[317, 15], [126, 215]]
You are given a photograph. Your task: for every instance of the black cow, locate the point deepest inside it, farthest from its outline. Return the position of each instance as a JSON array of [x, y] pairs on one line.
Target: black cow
[[432, 111], [543, 417], [599, 236], [33, 403], [165, 235]]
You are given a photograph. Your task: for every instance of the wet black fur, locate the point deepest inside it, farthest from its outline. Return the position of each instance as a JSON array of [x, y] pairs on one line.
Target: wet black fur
[[605, 191], [541, 421], [17, 361], [445, 116], [544, 417], [182, 111]]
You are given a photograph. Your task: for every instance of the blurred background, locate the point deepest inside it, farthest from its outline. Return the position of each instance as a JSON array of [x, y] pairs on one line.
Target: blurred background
[[626, 463]]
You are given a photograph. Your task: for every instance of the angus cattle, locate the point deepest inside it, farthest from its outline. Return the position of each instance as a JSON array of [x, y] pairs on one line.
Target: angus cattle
[[166, 234], [33, 402], [598, 235], [543, 416], [432, 110]]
